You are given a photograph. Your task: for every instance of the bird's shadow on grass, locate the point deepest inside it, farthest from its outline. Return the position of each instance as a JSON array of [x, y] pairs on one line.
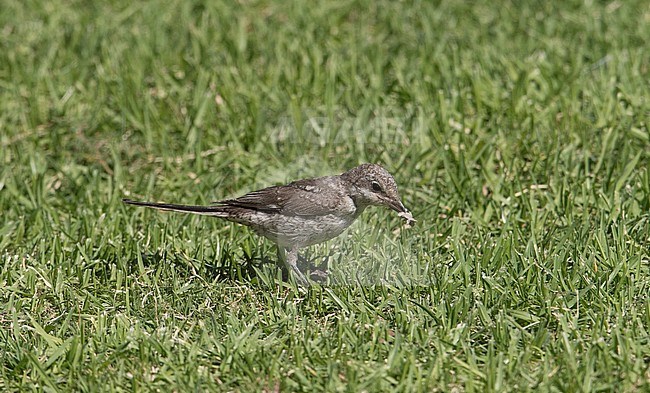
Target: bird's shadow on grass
[[234, 268]]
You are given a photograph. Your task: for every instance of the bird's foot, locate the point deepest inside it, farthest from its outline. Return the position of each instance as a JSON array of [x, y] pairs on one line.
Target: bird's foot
[[318, 275]]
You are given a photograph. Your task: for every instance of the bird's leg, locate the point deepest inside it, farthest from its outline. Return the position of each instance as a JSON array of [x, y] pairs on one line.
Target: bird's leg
[[291, 261], [317, 273]]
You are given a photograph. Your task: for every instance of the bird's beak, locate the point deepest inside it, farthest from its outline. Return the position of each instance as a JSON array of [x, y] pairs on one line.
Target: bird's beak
[[397, 206]]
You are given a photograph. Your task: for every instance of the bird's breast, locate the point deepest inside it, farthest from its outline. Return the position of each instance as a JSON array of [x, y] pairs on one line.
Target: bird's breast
[[304, 231]]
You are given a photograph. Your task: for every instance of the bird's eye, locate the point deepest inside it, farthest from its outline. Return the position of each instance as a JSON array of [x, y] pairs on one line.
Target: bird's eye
[[375, 186]]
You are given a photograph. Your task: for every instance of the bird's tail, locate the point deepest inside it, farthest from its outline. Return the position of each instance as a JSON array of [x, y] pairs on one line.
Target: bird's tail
[[216, 211]]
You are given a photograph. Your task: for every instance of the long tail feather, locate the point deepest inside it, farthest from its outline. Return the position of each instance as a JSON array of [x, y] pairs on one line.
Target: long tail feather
[[204, 210]]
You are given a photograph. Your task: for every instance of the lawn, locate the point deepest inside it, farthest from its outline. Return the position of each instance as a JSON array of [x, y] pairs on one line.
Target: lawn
[[517, 132]]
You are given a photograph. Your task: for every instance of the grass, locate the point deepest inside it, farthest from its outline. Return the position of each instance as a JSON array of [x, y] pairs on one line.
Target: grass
[[517, 131]]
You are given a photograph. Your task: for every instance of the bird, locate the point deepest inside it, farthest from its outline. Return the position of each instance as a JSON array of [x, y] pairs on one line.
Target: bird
[[304, 212]]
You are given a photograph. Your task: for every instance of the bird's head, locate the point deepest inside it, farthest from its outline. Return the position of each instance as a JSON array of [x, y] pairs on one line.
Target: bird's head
[[372, 185]]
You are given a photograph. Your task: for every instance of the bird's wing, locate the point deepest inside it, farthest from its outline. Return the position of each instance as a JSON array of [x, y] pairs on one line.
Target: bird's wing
[[309, 197]]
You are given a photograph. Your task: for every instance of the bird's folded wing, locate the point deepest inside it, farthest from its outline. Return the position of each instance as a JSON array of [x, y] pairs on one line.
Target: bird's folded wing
[[308, 197]]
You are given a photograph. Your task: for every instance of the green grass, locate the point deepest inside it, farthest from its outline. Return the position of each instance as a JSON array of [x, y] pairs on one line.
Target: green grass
[[517, 132]]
